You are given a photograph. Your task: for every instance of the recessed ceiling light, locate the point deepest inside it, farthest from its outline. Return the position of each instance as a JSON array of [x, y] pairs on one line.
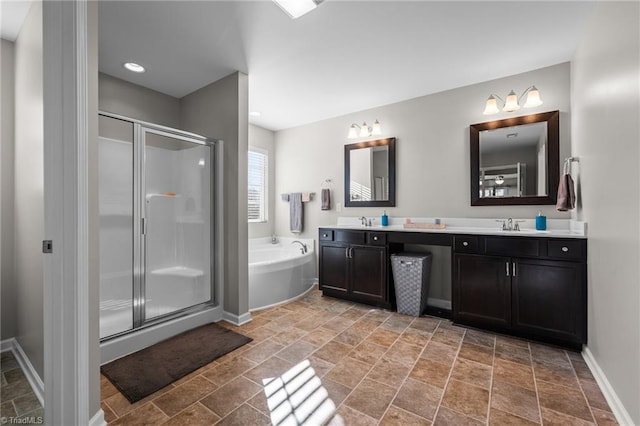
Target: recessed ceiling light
[[132, 66], [255, 113], [297, 8]]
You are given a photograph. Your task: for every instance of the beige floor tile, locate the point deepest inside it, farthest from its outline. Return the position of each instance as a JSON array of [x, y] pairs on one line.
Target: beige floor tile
[[273, 367], [398, 417], [482, 354], [564, 400], [371, 398], [194, 415], [245, 415], [383, 337], [389, 372], [368, 352], [418, 398], [180, 397], [145, 415], [431, 372], [515, 400], [447, 417], [514, 373], [555, 418], [224, 373], [501, 418], [230, 396], [466, 399], [439, 352], [472, 372], [349, 372]]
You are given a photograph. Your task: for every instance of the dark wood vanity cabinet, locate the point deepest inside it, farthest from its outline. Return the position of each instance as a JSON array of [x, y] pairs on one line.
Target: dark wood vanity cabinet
[[354, 265], [533, 287]]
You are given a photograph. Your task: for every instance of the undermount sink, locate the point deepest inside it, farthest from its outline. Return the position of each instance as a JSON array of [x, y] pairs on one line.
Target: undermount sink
[[524, 231]]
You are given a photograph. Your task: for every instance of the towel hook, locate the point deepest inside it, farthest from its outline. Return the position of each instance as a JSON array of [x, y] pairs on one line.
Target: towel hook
[[326, 184]]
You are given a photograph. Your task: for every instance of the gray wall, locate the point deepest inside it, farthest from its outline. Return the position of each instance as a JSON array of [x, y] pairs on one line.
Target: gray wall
[[432, 153], [220, 110], [133, 101], [29, 196], [7, 285], [606, 108], [265, 140]]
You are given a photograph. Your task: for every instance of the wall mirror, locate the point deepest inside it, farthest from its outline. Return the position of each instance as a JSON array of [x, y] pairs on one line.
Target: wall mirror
[[515, 161], [370, 173]]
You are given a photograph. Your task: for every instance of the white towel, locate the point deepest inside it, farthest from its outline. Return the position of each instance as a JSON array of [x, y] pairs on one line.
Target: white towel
[[295, 212]]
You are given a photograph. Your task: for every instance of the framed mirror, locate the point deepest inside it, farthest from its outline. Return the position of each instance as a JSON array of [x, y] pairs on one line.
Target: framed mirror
[[370, 173], [515, 161]]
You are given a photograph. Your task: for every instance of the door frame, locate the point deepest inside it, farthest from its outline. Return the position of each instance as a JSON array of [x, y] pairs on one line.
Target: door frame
[[72, 387]]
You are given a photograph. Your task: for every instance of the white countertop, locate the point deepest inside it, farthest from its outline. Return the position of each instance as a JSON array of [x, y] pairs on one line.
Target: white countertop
[[556, 228]]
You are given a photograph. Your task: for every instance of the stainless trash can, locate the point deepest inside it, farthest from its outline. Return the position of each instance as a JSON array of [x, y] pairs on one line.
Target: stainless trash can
[[411, 279]]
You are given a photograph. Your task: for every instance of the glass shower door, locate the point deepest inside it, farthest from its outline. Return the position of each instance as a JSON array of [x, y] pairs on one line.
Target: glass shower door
[[176, 217], [116, 219]]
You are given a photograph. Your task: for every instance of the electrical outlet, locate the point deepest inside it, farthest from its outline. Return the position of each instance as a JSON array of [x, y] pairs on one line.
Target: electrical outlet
[[338, 207]]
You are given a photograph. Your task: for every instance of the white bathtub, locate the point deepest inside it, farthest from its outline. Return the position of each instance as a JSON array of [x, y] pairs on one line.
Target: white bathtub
[[279, 273]]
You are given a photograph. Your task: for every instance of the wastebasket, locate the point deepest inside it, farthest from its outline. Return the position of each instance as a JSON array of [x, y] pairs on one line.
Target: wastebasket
[[411, 278]]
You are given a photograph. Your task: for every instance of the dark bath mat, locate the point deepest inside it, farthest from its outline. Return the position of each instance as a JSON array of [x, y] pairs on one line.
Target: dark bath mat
[[142, 373]]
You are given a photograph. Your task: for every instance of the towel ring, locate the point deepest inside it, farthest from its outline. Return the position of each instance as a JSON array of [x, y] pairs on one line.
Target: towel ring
[[567, 164]]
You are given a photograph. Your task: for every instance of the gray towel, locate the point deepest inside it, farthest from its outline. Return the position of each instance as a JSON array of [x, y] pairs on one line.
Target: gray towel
[[326, 199], [566, 194], [295, 212]]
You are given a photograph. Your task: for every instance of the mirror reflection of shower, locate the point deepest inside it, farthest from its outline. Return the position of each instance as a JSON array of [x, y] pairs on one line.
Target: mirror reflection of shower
[[155, 224]]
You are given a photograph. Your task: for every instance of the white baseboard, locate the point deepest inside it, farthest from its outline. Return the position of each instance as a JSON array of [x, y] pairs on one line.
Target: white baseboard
[[622, 415], [98, 419], [439, 303], [237, 319], [37, 385]]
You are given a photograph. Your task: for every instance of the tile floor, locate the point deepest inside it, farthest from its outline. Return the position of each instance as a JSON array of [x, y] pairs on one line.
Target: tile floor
[[17, 400], [379, 367]]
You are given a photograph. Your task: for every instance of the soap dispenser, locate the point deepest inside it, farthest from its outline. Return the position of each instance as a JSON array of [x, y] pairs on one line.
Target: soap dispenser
[[384, 219], [541, 222]]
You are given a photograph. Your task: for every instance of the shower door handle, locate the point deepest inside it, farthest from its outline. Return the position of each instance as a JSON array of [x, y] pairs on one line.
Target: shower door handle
[[143, 224]]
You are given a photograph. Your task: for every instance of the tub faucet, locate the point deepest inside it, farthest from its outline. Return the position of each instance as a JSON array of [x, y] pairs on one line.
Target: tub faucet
[[303, 248], [274, 239]]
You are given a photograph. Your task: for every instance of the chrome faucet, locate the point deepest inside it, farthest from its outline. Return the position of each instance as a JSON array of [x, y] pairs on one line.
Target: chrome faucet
[[303, 248], [274, 239], [366, 222], [510, 225]]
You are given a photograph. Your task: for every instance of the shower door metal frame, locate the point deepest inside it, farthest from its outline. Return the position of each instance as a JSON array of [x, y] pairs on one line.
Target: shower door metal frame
[[139, 199]]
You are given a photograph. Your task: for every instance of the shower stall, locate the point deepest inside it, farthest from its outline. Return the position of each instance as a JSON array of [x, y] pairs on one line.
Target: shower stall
[[156, 206]]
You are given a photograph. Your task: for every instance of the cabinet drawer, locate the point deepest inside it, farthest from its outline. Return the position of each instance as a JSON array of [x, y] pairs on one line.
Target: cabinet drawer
[[466, 244], [326, 234], [566, 249], [377, 238], [516, 247], [353, 237]]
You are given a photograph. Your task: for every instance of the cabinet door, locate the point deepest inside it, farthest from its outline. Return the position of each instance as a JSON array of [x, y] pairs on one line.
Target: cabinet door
[[549, 299], [334, 267], [368, 273], [482, 289]]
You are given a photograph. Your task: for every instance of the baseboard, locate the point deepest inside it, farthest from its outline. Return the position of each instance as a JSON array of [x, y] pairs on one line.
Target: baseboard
[[98, 419], [622, 415], [439, 303], [37, 385], [236, 319]]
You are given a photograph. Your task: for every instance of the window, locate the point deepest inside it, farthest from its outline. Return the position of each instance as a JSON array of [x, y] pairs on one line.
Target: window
[[257, 203]]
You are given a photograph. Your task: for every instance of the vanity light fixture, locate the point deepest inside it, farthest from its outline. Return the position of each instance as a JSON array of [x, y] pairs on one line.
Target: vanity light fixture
[[512, 102], [297, 8], [132, 66], [364, 130]]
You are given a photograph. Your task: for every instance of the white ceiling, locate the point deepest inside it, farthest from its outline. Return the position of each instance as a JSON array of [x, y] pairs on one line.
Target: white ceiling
[[343, 57]]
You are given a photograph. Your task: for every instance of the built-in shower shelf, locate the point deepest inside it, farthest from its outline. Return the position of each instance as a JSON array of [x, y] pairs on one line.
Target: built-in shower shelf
[[163, 195], [179, 271]]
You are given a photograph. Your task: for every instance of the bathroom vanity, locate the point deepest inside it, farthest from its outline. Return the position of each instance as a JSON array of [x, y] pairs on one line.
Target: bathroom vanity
[[530, 284]]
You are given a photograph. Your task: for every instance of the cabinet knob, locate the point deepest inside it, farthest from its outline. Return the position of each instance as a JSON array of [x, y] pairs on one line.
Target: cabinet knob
[[375, 238], [325, 235], [464, 243], [565, 249]]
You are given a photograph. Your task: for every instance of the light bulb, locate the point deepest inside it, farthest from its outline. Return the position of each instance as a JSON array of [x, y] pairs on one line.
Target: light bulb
[[364, 130], [533, 98], [511, 104], [491, 107]]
